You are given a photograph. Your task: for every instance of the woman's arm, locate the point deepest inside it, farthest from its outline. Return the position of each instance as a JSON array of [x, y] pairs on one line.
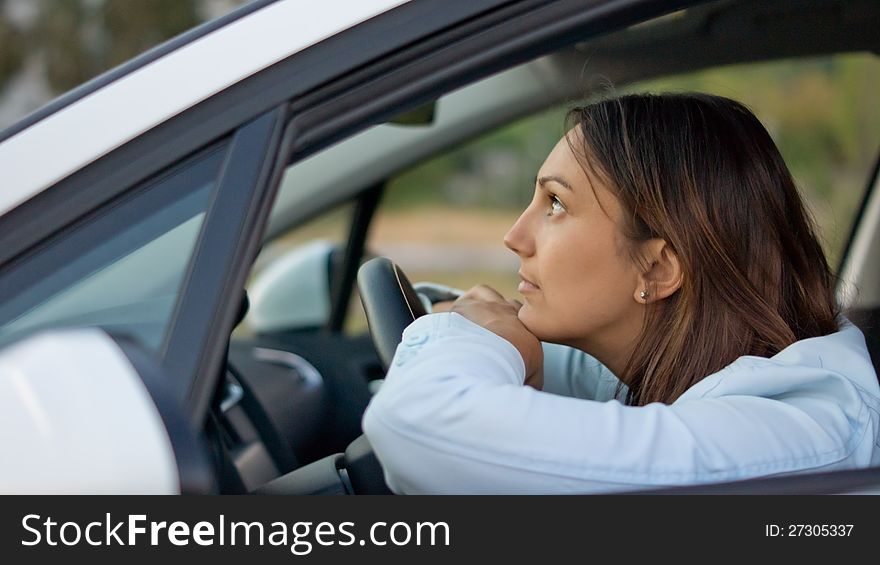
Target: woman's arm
[[453, 417], [567, 371]]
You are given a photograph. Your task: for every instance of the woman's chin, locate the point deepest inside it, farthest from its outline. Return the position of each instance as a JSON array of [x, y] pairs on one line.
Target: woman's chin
[[538, 325], [531, 321]]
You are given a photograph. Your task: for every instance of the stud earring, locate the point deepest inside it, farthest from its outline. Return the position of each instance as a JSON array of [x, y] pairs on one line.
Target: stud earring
[[643, 295]]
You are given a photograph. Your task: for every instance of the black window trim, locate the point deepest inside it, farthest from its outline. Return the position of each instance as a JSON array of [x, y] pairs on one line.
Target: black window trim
[[868, 192], [196, 342]]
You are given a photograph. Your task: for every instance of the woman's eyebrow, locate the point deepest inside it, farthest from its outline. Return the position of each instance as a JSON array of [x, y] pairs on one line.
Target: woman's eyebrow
[[554, 178]]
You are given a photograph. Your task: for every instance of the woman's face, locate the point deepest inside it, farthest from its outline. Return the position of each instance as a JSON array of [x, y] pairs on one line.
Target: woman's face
[[579, 285]]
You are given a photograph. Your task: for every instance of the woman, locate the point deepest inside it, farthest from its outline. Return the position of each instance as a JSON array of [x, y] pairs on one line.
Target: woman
[[668, 252]]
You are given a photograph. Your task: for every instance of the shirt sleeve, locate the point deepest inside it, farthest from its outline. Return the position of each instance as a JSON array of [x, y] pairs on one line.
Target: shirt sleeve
[[453, 417]]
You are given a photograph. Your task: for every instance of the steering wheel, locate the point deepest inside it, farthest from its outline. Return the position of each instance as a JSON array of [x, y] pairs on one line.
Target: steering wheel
[[390, 303]]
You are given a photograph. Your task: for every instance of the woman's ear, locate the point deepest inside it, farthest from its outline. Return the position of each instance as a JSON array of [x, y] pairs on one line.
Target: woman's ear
[[662, 275]]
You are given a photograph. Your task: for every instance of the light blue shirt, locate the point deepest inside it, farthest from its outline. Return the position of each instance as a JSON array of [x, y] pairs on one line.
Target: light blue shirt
[[453, 416]]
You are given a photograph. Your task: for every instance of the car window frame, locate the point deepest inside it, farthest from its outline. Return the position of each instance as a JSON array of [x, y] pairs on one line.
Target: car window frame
[[203, 319]]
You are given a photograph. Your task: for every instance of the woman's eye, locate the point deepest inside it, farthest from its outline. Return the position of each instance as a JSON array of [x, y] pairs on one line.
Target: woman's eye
[[555, 206]]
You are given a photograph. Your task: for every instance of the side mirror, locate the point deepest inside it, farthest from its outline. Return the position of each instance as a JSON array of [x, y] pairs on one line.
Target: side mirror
[[85, 412], [293, 292]]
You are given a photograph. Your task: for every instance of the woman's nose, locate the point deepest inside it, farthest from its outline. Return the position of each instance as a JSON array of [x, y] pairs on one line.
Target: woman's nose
[[519, 238]]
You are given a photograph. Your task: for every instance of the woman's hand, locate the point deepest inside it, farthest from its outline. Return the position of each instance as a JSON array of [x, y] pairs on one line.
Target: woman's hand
[[484, 306]]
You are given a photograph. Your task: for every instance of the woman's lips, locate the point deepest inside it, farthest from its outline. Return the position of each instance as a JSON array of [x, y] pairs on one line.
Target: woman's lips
[[526, 285]]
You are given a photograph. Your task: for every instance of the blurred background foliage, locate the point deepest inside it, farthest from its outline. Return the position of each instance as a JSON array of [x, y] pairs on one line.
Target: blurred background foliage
[[80, 39]]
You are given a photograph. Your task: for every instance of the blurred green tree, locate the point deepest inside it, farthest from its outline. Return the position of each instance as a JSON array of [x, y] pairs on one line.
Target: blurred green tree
[[61, 35], [133, 27], [82, 38], [13, 48]]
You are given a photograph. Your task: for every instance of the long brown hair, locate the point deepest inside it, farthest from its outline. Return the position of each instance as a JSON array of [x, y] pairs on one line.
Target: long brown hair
[[702, 173]]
